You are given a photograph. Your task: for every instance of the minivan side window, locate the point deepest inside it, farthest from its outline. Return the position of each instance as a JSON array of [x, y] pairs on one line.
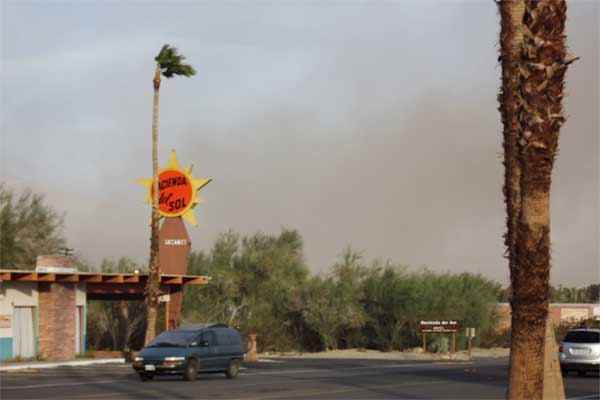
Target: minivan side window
[[223, 337], [209, 337], [235, 338], [582, 337], [232, 338]]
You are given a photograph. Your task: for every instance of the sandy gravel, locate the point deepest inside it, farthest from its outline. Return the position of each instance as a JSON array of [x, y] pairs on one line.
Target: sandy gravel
[[415, 354]]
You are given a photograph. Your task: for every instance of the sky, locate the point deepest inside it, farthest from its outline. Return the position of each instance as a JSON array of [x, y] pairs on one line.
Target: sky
[[369, 124]]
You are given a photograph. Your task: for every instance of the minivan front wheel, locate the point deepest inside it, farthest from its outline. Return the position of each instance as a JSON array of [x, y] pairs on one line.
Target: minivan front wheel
[[191, 370], [233, 369]]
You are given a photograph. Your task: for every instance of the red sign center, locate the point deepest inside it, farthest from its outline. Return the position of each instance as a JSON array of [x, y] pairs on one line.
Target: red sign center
[[175, 193]]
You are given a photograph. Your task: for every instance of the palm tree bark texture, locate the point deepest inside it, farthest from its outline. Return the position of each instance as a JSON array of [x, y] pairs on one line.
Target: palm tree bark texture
[[534, 61], [168, 64]]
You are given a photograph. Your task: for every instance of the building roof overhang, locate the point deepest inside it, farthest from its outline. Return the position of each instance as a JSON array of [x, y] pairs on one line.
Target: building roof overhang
[[90, 277]]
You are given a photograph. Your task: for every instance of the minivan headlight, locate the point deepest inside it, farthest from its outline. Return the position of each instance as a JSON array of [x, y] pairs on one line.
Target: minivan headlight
[[174, 358], [138, 359]]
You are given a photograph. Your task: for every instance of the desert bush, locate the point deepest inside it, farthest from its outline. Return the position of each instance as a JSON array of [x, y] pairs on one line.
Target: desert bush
[[493, 338]]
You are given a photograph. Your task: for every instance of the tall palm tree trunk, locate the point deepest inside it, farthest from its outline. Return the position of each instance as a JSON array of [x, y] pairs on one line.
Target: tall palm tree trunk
[[534, 62], [169, 63], [152, 286], [511, 37]]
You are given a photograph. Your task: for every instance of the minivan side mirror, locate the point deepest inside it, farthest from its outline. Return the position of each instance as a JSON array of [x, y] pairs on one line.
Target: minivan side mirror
[[204, 343]]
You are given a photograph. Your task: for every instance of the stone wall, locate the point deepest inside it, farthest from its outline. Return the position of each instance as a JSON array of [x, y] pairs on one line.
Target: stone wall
[[56, 321], [561, 313], [55, 261]]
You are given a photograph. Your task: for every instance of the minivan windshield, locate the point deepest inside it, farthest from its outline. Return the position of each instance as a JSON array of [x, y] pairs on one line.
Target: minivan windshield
[[582, 337], [173, 339]]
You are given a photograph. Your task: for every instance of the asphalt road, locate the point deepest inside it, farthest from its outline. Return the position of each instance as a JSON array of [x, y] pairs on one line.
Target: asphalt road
[[286, 378]]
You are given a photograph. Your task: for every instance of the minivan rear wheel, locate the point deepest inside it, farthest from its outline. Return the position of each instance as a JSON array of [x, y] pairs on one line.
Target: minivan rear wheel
[[191, 370], [233, 369]]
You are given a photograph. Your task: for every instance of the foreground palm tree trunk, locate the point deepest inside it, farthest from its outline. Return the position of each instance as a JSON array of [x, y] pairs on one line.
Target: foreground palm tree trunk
[[152, 287], [553, 383], [534, 61]]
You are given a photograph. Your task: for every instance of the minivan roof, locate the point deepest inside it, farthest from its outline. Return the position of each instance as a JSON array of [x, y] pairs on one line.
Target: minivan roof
[[198, 327]]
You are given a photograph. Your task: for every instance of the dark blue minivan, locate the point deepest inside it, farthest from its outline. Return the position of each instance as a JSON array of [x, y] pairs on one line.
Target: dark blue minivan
[[190, 349]]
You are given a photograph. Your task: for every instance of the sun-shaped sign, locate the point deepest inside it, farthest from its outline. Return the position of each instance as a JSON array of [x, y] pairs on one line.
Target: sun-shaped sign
[[176, 190]]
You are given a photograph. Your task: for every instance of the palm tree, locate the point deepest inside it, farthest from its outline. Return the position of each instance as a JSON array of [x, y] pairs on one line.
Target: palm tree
[[169, 63], [534, 62]]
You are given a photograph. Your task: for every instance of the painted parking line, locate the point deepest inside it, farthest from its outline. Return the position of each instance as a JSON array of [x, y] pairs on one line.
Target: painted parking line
[[310, 370], [246, 373], [316, 394], [64, 371], [76, 363], [77, 374], [49, 385]]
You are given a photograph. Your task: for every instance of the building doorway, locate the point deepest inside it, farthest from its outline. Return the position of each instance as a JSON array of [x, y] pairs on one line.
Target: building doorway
[[23, 332]]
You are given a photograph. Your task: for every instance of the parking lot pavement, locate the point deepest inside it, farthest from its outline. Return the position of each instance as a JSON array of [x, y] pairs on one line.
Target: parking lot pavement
[[286, 378]]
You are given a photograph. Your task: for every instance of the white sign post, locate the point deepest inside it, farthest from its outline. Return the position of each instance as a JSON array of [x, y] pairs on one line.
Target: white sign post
[[470, 336]]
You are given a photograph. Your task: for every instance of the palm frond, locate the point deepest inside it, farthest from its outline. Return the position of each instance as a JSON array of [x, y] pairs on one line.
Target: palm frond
[[171, 63]]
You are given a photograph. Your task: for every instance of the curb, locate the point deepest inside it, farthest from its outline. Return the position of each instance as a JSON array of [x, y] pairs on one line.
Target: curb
[[60, 364]]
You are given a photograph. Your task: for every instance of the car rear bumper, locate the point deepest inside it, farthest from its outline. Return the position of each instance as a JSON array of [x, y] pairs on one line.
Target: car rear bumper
[[160, 369], [580, 366]]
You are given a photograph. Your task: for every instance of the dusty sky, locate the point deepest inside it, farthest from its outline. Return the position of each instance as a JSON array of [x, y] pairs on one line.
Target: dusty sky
[[373, 124]]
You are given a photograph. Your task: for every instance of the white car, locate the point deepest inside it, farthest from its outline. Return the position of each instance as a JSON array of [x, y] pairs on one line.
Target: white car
[[580, 351]]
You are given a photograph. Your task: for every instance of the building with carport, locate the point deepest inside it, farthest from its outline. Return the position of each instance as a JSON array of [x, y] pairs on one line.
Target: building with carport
[[43, 312]]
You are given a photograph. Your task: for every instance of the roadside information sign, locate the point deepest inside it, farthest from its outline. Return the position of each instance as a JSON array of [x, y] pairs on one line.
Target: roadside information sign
[[439, 326]]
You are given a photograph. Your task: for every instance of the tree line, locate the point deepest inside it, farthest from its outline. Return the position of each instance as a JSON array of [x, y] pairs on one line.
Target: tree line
[[261, 283], [28, 228], [565, 294]]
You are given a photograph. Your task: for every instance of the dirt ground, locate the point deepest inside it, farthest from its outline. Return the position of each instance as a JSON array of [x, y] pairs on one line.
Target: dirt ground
[[414, 354]]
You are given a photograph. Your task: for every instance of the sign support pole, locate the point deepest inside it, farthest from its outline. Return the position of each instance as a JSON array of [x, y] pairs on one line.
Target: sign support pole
[[166, 315], [167, 309], [469, 345], [439, 326]]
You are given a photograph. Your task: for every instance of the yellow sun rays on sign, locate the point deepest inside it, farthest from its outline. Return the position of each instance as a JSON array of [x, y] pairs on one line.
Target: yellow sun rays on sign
[[177, 190]]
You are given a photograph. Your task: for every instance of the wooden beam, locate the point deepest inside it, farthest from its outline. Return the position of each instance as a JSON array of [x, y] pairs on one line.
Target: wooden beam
[[29, 277], [112, 278], [131, 278], [96, 278], [33, 276], [115, 296], [67, 278], [109, 288], [200, 280], [171, 280], [46, 277]]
